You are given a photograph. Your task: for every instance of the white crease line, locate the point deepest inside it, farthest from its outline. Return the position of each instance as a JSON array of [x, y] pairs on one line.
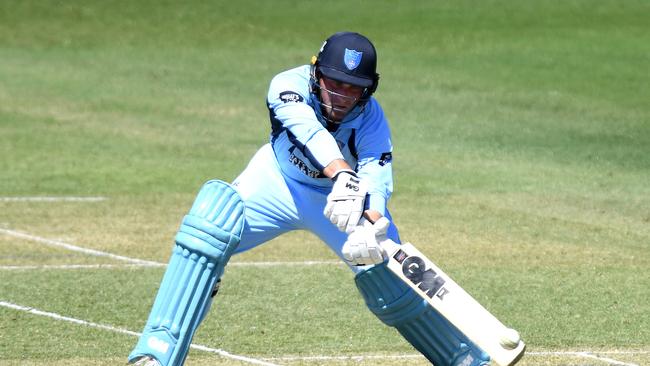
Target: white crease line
[[75, 266], [157, 265], [141, 262], [273, 264], [75, 248], [591, 354], [233, 356], [52, 199], [585, 354], [626, 352], [129, 332], [606, 359], [342, 358], [639, 352]]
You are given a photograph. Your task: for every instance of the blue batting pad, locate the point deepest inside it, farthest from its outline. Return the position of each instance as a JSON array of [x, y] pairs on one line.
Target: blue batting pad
[[397, 305], [204, 243]]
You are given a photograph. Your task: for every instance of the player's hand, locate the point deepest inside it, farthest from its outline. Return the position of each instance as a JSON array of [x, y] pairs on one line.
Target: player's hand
[[346, 201], [363, 246]]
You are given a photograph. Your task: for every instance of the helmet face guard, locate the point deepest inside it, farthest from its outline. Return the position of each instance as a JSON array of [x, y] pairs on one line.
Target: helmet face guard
[[348, 58], [348, 107]]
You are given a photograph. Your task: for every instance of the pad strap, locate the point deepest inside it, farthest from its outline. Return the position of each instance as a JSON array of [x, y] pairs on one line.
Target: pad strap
[[397, 305], [204, 243]]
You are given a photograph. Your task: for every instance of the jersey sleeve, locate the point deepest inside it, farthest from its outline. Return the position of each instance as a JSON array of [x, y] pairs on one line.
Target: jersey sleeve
[[375, 154], [287, 100]]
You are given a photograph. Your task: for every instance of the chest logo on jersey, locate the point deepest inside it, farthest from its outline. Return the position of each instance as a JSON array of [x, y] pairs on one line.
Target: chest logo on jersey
[[302, 166], [290, 96]]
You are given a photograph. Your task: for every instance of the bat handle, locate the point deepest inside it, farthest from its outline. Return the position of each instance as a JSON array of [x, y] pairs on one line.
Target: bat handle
[[390, 247]]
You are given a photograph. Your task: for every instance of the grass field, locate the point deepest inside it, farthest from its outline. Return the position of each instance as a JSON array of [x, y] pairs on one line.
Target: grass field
[[522, 167]]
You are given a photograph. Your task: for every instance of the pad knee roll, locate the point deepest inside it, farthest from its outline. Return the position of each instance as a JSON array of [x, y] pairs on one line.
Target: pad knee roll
[[397, 305], [207, 237], [214, 224]]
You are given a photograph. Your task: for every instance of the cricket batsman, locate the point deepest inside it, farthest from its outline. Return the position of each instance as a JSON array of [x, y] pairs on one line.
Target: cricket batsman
[[328, 169]]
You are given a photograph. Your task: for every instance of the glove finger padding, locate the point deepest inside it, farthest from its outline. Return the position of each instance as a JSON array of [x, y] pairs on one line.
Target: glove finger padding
[[381, 227], [354, 217], [329, 209], [363, 246], [340, 221]]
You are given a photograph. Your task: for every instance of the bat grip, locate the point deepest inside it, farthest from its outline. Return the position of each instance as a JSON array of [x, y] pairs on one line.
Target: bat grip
[[390, 247]]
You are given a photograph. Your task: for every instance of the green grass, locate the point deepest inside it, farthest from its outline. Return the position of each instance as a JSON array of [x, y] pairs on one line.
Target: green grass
[[522, 162]]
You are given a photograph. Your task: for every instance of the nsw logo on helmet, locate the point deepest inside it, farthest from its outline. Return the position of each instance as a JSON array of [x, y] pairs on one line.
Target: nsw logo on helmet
[[352, 59]]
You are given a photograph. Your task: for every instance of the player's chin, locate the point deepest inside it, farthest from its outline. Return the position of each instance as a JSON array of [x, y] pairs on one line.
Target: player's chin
[[335, 117], [338, 115]]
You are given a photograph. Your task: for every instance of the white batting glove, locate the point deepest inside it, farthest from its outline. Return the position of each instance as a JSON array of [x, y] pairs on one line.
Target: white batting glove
[[346, 201], [363, 246]]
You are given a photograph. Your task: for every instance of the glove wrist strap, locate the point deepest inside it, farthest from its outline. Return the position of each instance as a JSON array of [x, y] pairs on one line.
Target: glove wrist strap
[[349, 171]]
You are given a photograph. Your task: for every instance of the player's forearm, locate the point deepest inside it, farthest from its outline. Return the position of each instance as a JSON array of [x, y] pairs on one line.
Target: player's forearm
[[335, 166], [372, 215]]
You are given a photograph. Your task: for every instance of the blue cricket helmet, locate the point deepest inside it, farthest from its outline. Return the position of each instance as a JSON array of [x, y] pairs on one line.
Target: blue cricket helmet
[[350, 58]]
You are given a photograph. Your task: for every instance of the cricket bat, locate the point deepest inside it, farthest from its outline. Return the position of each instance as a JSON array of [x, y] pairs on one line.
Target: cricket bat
[[503, 344]]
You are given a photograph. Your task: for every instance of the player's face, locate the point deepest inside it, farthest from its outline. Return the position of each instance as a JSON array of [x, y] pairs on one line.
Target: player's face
[[338, 98]]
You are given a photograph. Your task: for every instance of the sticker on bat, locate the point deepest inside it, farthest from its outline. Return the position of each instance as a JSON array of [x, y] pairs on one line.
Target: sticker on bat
[[427, 280]]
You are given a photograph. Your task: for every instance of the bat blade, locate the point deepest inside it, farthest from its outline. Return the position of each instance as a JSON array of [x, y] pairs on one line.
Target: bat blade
[[454, 303]]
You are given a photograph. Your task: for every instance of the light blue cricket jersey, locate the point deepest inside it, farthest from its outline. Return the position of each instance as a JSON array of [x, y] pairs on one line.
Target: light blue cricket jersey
[[304, 143]]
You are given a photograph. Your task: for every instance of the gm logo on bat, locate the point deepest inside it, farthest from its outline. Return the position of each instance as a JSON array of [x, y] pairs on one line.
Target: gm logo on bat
[[414, 268]]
